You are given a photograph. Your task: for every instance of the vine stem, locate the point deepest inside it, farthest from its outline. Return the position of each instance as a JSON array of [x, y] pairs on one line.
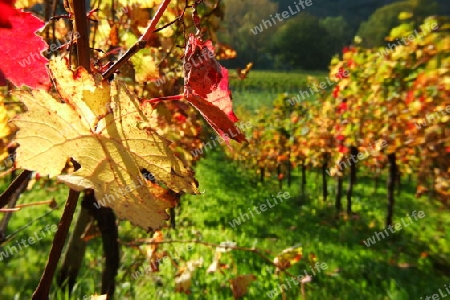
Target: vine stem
[[8, 210], [168, 98], [4, 198], [81, 26], [9, 171], [35, 203], [140, 44], [43, 289]]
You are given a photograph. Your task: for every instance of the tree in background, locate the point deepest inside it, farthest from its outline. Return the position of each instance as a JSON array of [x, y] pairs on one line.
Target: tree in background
[[240, 18], [383, 19], [340, 18], [353, 11], [302, 42], [339, 31]]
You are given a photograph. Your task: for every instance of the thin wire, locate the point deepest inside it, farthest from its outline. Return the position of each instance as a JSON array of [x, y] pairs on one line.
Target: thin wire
[[10, 236]]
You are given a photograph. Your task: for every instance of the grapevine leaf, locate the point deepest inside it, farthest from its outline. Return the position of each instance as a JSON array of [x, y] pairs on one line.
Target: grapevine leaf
[[26, 3], [6, 12], [21, 61], [2, 79], [5, 131], [99, 127], [153, 255], [226, 52], [239, 285], [216, 265], [216, 119], [288, 257], [206, 88], [183, 279], [145, 66]]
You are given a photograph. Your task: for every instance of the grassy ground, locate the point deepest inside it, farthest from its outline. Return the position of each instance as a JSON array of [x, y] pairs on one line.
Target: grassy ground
[[406, 265], [273, 81], [261, 87]]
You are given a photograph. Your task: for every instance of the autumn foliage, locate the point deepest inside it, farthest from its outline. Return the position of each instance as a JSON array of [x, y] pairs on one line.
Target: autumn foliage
[[400, 98]]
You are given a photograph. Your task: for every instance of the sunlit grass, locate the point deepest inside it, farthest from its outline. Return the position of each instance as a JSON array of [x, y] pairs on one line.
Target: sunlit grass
[[398, 267]]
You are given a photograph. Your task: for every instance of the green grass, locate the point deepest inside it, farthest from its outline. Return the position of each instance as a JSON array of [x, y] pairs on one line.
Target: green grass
[[260, 88], [252, 101], [273, 82], [354, 271]]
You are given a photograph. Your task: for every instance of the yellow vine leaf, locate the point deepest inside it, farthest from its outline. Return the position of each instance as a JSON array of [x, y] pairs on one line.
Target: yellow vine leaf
[[99, 125], [4, 130], [140, 3], [145, 66], [98, 297], [288, 257], [183, 279], [26, 3]]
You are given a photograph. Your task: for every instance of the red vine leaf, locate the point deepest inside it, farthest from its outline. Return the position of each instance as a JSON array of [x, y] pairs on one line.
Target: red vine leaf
[[7, 10], [206, 88], [336, 91], [21, 61], [2, 79], [202, 71]]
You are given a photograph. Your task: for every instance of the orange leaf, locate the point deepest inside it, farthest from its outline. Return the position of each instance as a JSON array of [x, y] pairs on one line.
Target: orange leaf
[[239, 285]]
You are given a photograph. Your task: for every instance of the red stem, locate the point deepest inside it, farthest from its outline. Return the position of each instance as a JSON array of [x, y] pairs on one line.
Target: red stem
[[140, 44], [170, 98], [151, 27], [43, 289]]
